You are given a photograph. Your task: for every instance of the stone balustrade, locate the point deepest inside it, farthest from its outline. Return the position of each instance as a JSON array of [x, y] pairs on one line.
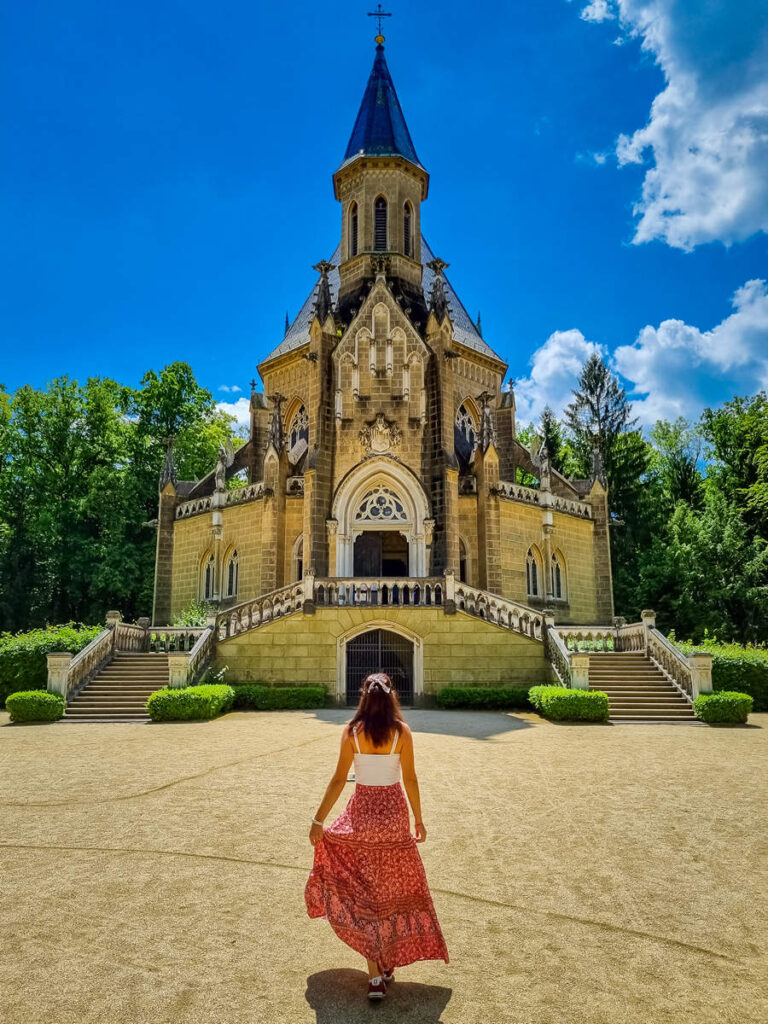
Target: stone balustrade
[[556, 502], [250, 614], [68, 673], [236, 496], [388, 590], [498, 610]]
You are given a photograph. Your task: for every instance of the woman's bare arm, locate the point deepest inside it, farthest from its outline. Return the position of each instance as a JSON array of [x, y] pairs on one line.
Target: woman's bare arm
[[335, 786], [411, 783]]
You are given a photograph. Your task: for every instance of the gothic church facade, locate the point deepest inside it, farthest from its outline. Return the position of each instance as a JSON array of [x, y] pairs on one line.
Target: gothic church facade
[[379, 488]]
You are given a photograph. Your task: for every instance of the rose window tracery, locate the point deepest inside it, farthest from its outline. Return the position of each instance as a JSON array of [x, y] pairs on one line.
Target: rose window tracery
[[381, 505]]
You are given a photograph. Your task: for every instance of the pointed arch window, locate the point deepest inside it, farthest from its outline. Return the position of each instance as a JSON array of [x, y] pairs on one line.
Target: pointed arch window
[[557, 578], [233, 575], [353, 220], [298, 558], [532, 574], [298, 435], [209, 578], [465, 438], [408, 229], [380, 224]]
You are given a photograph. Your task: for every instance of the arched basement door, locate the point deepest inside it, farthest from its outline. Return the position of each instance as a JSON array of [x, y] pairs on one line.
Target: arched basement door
[[380, 650]]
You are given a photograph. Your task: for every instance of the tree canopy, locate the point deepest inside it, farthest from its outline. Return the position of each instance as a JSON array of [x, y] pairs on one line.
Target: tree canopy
[[79, 469]]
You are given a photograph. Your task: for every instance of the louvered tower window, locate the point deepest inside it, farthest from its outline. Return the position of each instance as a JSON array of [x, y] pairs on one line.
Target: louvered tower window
[[407, 230], [353, 230], [380, 224]]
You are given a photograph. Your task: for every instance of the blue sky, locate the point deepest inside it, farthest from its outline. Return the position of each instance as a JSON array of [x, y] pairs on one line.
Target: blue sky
[[599, 178]]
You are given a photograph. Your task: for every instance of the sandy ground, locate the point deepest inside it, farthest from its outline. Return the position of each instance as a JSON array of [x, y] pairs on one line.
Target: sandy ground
[[581, 873]]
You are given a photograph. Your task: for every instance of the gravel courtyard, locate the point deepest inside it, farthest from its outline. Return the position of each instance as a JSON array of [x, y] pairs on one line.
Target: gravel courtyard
[[581, 873]]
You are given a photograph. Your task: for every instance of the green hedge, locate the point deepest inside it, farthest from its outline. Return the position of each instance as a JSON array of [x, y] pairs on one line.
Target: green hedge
[[23, 664], [736, 668], [483, 697], [254, 697], [182, 704], [724, 706], [35, 706], [562, 704]]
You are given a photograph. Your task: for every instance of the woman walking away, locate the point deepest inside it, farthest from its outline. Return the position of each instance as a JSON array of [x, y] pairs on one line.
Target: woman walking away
[[368, 880]]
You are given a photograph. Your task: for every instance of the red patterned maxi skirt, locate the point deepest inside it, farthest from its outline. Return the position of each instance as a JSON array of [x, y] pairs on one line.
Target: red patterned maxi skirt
[[369, 882]]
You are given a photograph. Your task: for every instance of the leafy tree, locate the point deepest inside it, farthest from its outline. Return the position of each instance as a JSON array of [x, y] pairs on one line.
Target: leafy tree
[[706, 573], [79, 466], [675, 461], [599, 413]]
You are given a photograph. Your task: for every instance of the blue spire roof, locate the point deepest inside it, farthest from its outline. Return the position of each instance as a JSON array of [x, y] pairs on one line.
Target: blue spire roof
[[380, 128]]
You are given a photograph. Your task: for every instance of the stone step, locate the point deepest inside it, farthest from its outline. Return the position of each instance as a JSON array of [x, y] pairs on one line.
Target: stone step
[[633, 688], [105, 718], [113, 698], [122, 711], [102, 687], [652, 712], [640, 719], [660, 703]]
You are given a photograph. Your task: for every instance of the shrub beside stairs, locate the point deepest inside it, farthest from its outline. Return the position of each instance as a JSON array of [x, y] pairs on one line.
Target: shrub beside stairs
[[637, 690], [119, 691]]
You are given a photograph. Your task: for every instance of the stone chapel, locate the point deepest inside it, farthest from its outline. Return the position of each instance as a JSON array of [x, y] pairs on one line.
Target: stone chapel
[[375, 516]]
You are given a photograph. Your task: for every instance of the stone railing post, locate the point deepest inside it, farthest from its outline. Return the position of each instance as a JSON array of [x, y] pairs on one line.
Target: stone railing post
[[308, 607], [579, 671], [58, 672], [449, 598], [113, 619], [701, 673], [548, 615], [178, 668], [649, 622]]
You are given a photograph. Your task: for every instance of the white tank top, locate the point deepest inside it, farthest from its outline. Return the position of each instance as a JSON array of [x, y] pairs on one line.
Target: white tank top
[[377, 769]]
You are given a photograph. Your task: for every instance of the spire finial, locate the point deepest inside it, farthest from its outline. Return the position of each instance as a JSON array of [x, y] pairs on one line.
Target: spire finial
[[379, 13]]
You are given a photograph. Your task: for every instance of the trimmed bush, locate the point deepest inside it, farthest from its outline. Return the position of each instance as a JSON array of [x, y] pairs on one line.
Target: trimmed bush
[[23, 665], [726, 706], [481, 697], [35, 706], [736, 668], [561, 704], [187, 703], [273, 698]]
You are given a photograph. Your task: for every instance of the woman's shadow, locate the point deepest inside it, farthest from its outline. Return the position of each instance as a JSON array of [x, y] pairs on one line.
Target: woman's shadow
[[340, 997]]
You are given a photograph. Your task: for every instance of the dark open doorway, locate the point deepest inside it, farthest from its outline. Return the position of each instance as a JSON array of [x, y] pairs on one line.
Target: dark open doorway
[[381, 553]]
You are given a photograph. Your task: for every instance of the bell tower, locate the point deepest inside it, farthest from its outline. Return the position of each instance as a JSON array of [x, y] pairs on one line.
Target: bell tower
[[380, 185]]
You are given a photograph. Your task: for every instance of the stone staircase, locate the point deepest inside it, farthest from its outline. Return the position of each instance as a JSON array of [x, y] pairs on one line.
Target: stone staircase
[[637, 690], [119, 691]]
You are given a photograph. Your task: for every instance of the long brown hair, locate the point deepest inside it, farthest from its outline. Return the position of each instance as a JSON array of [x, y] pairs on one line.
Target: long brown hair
[[378, 711]]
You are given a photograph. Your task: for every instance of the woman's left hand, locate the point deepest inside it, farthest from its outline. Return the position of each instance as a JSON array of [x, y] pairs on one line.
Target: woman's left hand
[[315, 833]]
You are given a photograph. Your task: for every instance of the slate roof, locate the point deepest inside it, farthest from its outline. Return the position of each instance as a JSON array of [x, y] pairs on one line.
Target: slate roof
[[380, 128], [464, 330]]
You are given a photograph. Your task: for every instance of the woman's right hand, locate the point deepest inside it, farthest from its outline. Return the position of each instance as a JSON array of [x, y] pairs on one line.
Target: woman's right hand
[[421, 832]]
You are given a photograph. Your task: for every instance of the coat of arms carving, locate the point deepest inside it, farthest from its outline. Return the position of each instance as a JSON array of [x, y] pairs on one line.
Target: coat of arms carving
[[380, 436]]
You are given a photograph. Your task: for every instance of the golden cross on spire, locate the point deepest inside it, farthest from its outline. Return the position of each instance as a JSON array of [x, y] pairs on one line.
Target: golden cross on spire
[[379, 13]]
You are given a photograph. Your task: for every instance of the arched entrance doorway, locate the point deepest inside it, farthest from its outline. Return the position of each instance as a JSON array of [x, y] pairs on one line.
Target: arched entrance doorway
[[381, 522], [380, 650]]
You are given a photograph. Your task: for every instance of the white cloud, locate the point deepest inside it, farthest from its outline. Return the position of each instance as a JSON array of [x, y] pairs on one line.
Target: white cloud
[[597, 11], [555, 367], [706, 141], [671, 370], [240, 409], [675, 365], [229, 387]]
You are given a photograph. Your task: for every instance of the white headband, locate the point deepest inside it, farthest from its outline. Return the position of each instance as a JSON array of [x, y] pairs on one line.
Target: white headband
[[379, 680]]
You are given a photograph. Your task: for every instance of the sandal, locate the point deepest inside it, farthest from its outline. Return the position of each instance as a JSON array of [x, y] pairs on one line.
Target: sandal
[[377, 989], [386, 976]]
